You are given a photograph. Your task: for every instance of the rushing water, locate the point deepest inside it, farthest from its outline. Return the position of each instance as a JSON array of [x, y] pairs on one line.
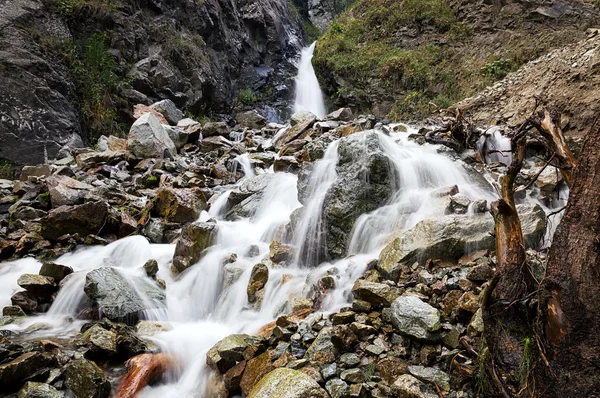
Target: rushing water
[[209, 300], [308, 92]]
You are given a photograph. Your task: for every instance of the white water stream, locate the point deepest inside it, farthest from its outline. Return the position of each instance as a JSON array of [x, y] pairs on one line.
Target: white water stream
[[308, 92], [209, 300]]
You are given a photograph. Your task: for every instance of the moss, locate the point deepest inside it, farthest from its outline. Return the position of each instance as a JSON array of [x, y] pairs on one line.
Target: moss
[[151, 181]]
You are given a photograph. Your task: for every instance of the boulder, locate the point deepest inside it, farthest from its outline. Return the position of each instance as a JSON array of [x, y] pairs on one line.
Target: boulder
[[66, 191], [25, 301], [323, 350], [245, 199], [215, 128], [192, 244], [101, 342], [258, 280], [13, 373], [251, 119], [410, 387], [232, 349], [148, 139], [256, 369], [85, 219], [287, 383], [363, 183], [111, 143], [214, 143], [413, 317], [140, 110], [41, 170], [55, 271], [169, 110], [122, 298], [86, 380], [39, 390], [178, 135], [431, 375], [87, 160], [449, 237], [301, 124], [278, 252], [343, 114], [375, 293], [180, 205], [37, 285], [192, 128]]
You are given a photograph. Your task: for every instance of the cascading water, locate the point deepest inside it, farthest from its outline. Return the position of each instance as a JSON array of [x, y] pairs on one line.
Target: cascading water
[[308, 92]]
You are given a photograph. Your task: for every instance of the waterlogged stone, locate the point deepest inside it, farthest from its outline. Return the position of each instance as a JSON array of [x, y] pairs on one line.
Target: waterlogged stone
[[37, 285], [101, 340], [192, 244], [14, 372], [55, 271], [287, 383], [413, 317]]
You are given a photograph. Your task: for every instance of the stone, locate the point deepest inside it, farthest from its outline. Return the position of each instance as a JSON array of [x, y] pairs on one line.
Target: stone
[[86, 380], [345, 317], [329, 371], [87, 160], [476, 326], [354, 375], [215, 128], [322, 350], [232, 349], [391, 368], [375, 350], [150, 328], [214, 143], [375, 293], [459, 204], [118, 299], [191, 246], [38, 390], [151, 268], [480, 273], [258, 280], [26, 301], [13, 310], [413, 317], [251, 119], [343, 114], [337, 388], [13, 373], [180, 205], [111, 143], [169, 110], [41, 170], [278, 252], [100, 340], [85, 219], [431, 375], [256, 369], [301, 123], [37, 285], [361, 306], [410, 387], [55, 271], [287, 383], [140, 110], [66, 191], [468, 304], [286, 164], [349, 359], [178, 135], [233, 376], [148, 139]]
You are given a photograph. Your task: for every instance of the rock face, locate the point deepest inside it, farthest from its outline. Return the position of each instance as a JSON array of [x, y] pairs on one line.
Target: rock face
[[84, 219], [287, 383], [122, 298], [415, 318], [148, 139], [451, 236], [364, 183], [191, 245]]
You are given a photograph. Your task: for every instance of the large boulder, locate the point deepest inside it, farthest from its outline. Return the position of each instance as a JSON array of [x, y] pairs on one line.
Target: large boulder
[[85, 219], [122, 298], [66, 191], [88, 160], [148, 139], [449, 237], [180, 205], [410, 387], [251, 119], [169, 110], [364, 183], [413, 317], [192, 244], [37, 285], [86, 380], [287, 383]]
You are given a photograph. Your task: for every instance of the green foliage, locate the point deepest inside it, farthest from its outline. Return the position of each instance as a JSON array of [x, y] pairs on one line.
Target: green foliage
[[496, 69], [151, 181], [99, 84], [460, 31], [247, 96], [70, 8], [370, 371], [311, 30], [6, 169], [528, 351]]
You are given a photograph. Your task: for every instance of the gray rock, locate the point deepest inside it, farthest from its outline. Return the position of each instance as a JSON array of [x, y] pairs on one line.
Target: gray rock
[[148, 139], [413, 317], [13, 373], [41, 170], [287, 383], [169, 110], [66, 191], [55, 271], [349, 359], [244, 200], [101, 341], [411, 387], [84, 219], [233, 348], [37, 285], [178, 135], [38, 390], [354, 375], [191, 246], [151, 267], [122, 298], [343, 114], [329, 371], [86, 380], [215, 128], [88, 160], [337, 388], [180, 205], [322, 350], [375, 293], [258, 280], [26, 301], [251, 119], [431, 375]]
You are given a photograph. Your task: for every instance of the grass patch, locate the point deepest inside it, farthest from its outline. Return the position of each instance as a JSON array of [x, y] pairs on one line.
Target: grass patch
[[71, 8], [7, 169], [248, 97]]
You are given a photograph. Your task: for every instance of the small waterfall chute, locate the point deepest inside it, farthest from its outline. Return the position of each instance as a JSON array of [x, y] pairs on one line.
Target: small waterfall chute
[[308, 92]]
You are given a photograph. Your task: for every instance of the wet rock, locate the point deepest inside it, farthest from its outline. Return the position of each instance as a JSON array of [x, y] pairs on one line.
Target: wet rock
[[243, 201], [413, 317], [287, 164], [375, 293], [169, 110], [102, 342], [13, 373], [129, 344], [37, 285], [180, 205], [322, 350], [191, 246], [280, 252], [38, 390], [251, 119], [25, 301], [391, 368], [287, 383], [337, 388], [13, 310], [148, 139], [431, 375], [343, 114], [411, 387], [258, 280], [352, 375], [66, 191], [256, 369], [85, 219], [476, 325], [86, 380], [301, 123], [55, 271], [214, 143], [233, 348], [122, 298], [480, 273], [151, 267], [349, 359]]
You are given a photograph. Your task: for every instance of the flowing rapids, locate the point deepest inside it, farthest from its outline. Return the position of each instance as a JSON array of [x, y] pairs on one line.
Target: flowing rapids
[[308, 92]]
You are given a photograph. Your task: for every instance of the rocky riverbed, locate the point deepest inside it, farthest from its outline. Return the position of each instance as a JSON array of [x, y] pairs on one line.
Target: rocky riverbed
[[405, 321]]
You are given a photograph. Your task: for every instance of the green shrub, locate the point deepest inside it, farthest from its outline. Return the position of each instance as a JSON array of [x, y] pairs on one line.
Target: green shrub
[[247, 96], [496, 69], [6, 169], [460, 31]]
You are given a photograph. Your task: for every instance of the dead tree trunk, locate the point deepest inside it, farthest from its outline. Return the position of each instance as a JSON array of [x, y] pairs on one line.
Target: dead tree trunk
[[572, 286], [143, 369], [505, 311]]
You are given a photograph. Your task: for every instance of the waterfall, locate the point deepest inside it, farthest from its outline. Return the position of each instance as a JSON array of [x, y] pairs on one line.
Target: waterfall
[[308, 92]]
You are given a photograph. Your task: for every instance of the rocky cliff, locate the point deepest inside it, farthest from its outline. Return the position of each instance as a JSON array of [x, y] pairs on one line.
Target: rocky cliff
[[73, 69]]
